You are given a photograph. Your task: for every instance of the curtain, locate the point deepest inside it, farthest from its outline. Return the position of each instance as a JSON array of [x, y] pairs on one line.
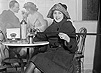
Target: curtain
[[97, 54]]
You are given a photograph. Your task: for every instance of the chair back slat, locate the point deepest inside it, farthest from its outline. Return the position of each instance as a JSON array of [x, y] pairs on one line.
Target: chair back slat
[[2, 36], [81, 40]]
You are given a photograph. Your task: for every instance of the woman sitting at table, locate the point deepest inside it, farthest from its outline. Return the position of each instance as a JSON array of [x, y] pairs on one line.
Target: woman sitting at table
[[62, 45], [34, 18]]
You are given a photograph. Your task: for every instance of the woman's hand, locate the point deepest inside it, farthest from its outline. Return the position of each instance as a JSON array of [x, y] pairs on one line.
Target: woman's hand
[[64, 37], [24, 15]]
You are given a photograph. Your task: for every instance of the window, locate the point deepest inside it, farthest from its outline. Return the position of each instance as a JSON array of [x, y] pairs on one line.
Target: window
[[89, 9]]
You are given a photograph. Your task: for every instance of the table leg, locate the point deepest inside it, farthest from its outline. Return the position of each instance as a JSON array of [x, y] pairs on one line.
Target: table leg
[[22, 68], [30, 51], [27, 55]]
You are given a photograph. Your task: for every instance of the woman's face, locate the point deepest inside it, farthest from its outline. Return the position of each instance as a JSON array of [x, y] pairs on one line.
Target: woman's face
[[58, 15], [28, 10]]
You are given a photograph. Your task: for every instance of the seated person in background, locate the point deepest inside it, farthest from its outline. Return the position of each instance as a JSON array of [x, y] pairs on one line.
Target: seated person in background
[[8, 18], [62, 46], [35, 19]]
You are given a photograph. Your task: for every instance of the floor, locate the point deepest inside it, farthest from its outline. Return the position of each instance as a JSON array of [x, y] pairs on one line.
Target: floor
[[12, 70]]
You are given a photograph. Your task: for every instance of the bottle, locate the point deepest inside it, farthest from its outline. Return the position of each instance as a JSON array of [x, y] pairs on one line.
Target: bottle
[[23, 29]]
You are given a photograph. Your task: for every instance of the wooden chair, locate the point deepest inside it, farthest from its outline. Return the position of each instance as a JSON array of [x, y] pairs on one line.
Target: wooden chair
[[77, 62], [2, 68], [79, 55]]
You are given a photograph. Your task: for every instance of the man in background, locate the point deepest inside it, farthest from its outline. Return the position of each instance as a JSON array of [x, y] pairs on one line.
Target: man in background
[[8, 19]]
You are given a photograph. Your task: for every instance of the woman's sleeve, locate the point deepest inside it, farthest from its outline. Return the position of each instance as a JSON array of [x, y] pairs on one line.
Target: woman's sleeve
[[40, 36], [70, 31]]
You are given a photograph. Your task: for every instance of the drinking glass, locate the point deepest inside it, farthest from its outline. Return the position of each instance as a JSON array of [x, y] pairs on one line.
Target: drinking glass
[[13, 35]]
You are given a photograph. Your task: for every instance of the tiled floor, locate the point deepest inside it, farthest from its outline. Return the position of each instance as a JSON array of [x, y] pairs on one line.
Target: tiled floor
[[87, 71], [13, 70]]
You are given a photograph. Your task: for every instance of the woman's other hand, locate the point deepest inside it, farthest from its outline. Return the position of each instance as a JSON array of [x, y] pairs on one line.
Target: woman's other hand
[[64, 37]]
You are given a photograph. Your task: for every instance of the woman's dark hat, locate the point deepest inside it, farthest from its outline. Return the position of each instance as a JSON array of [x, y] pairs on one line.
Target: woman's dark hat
[[60, 7]]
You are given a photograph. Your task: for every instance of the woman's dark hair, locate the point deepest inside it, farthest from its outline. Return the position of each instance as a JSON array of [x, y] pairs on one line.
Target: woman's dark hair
[[65, 16]]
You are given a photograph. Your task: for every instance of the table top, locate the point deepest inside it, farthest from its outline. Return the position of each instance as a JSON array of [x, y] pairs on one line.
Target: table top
[[26, 44]]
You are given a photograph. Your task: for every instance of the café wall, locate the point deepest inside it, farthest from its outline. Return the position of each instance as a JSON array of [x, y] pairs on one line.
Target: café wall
[[75, 11]]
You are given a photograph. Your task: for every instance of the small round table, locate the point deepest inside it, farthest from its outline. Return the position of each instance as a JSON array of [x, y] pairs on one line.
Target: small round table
[[20, 44]]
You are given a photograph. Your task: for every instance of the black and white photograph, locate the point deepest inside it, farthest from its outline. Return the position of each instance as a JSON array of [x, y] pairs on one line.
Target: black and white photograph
[[50, 36]]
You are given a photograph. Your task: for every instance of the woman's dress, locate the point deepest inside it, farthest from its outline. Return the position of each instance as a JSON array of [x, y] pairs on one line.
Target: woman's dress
[[58, 56]]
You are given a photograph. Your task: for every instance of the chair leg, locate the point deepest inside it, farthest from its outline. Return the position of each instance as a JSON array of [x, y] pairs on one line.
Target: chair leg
[[79, 66], [82, 67]]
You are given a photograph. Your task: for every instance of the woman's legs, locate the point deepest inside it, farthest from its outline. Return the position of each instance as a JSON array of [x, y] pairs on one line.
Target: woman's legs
[[37, 70], [30, 68]]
